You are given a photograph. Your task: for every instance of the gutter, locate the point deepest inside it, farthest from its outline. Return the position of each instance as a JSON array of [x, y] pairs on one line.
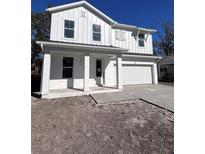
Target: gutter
[[143, 56], [80, 46], [131, 27], [62, 7]]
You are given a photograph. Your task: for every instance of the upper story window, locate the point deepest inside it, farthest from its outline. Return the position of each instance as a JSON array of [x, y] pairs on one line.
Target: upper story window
[[141, 40], [96, 32], [120, 35], [69, 29]]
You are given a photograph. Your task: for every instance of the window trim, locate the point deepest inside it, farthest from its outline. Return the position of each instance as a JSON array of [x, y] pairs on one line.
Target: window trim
[[69, 38], [67, 67], [140, 39], [97, 33]]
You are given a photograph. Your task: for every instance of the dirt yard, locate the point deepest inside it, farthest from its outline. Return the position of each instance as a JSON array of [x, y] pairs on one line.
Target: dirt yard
[[77, 126]]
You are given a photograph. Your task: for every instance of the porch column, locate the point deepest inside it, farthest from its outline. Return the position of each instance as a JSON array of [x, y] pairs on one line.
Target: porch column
[[154, 74], [45, 74], [86, 71], [119, 71]]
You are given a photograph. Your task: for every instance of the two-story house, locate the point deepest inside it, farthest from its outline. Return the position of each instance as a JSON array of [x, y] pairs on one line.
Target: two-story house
[[89, 49]]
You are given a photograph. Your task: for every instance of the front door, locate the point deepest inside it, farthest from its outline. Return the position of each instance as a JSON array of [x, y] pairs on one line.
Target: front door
[[99, 73]]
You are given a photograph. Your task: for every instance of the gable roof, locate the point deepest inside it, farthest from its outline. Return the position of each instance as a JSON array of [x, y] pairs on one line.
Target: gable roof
[[77, 4], [87, 5]]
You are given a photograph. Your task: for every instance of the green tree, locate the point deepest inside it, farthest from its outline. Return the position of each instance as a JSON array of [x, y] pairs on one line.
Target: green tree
[[40, 30]]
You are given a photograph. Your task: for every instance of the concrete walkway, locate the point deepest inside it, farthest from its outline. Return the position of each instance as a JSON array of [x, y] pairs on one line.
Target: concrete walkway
[[161, 95]]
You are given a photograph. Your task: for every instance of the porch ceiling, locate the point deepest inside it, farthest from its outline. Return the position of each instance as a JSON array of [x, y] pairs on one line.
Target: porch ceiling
[[89, 47]]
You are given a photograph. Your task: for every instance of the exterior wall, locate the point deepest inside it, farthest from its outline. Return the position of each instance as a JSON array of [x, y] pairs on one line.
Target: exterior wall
[[57, 82], [109, 66], [110, 71], [132, 44], [83, 27], [83, 31], [83, 34], [170, 69]]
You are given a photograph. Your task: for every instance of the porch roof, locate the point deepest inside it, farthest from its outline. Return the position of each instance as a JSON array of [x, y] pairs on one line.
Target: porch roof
[[139, 55], [81, 46]]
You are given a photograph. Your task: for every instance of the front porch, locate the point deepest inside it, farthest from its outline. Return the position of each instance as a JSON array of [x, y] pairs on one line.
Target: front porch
[[90, 69], [70, 92]]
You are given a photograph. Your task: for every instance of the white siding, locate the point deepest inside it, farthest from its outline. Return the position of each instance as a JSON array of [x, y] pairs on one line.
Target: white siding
[[132, 44], [83, 31], [135, 71], [110, 72], [56, 80], [83, 27]]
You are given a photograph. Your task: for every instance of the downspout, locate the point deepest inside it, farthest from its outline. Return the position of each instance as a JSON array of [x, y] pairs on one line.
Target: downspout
[[157, 61], [160, 58], [42, 47], [158, 71], [136, 41]]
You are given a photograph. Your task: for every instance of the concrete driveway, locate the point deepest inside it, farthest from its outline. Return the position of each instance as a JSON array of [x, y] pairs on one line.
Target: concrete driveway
[[161, 95]]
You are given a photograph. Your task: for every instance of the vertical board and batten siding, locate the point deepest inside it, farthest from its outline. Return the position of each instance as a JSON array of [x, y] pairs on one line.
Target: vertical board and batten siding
[[83, 27], [83, 31], [132, 44]]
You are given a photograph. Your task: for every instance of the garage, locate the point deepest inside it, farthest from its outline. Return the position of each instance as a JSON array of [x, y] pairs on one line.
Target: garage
[[136, 74]]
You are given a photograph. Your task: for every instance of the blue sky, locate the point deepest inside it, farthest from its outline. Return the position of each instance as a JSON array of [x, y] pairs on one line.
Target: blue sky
[[142, 13]]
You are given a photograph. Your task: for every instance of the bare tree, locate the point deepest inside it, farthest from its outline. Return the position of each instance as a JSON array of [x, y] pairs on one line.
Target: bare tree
[[165, 43]]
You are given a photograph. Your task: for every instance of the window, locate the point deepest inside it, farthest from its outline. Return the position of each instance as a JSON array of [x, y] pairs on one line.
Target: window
[[141, 40], [67, 67], [96, 32], [165, 69], [69, 29], [161, 69], [141, 43]]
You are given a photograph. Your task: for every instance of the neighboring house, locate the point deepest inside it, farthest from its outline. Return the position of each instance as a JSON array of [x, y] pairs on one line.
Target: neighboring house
[[166, 68], [89, 49]]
